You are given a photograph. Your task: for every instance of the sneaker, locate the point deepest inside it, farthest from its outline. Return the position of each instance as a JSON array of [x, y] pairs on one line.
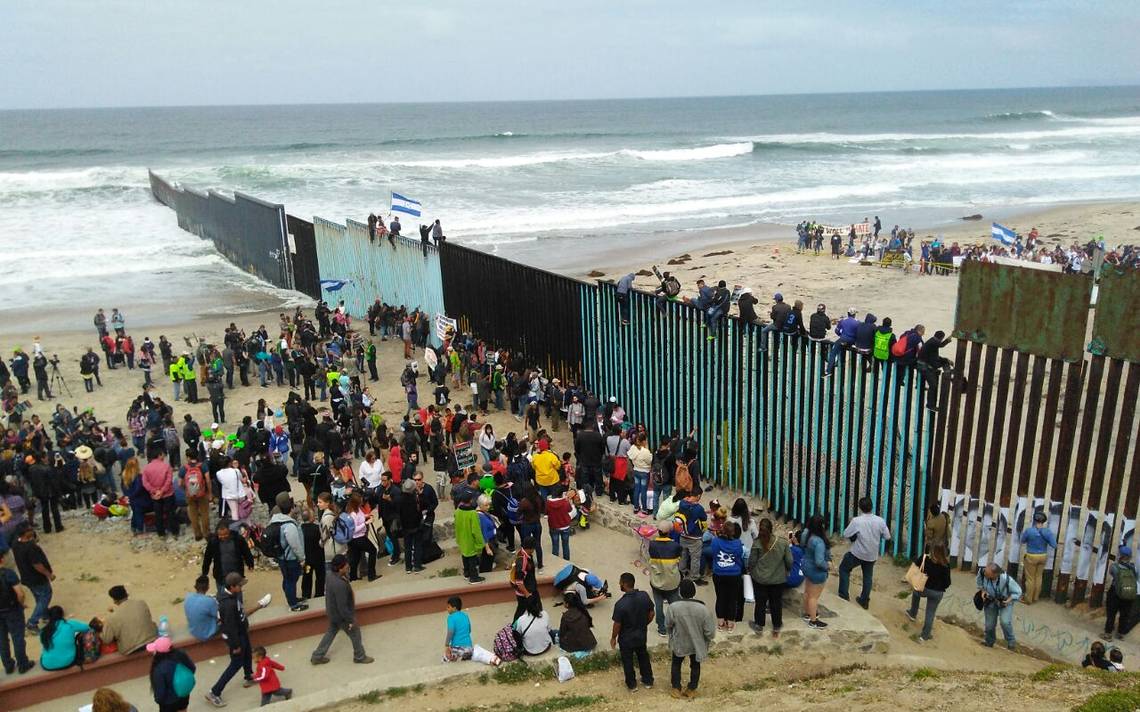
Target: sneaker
[[419, 569], [299, 607], [318, 661], [826, 374], [1011, 646], [393, 562], [633, 689], [663, 634], [248, 682], [757, 629], [364, 661], [701, 582], [817, 624], [215, 700], [924, 639], [476, 580], [806, 618], [866, 604], [647, 685], [910, 615], [9, 668]]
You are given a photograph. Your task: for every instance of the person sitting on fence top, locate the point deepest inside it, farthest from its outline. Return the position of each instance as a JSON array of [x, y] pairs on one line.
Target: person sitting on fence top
[[865, 334], [819, 324], [778, 314], [746, 303], [845, 330]]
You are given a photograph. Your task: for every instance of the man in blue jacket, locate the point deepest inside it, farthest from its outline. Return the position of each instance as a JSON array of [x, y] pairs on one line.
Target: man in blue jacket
[[845, 330]]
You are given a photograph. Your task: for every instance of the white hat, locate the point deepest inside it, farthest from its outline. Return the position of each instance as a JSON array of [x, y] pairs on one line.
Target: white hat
[[613, 399]]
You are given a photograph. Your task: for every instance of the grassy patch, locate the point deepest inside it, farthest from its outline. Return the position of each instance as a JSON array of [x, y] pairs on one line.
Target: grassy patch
[[824, 674], [484, 678], [516, 672], [597, 662], [925, 673], [902, 561], [176, 601], [1111, 701], [448, 571], [397, 691], [846, 689], [374, 697], [902, 595], [554, 704], [87, 578], [418, 688], [757, 685], [1049, 672]]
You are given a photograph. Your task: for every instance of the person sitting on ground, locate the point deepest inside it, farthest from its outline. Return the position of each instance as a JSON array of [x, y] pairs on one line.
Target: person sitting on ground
[[130, 623], [1116, 658], [574, 634], [458, 645], [534, 627], [58, 640], [201, 610], [1097, 657]]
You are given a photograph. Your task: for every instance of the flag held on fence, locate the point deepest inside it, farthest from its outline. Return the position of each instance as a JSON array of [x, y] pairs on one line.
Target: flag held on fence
[[333, 285], [402, 204], [1003, 234]]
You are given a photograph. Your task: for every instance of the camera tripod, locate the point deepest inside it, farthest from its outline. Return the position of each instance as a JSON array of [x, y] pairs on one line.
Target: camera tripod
[[57, 378]]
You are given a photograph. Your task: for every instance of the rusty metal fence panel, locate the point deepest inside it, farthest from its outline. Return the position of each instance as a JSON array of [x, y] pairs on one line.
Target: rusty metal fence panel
[[1115, 332]]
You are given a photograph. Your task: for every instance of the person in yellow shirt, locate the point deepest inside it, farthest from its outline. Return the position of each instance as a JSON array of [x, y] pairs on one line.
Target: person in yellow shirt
[[546, 469]]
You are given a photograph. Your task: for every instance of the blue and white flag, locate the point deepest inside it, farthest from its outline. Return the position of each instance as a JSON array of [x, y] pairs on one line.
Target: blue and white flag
[[401, 204], [333, 285], [1003, 234]]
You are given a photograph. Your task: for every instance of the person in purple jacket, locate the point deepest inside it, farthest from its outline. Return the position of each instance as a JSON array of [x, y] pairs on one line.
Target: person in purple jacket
[[845, 330]]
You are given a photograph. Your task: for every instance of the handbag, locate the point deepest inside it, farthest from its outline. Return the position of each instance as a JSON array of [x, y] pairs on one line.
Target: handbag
[[916, 575]]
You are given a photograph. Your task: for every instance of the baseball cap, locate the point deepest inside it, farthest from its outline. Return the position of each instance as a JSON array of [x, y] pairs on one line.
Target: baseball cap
[[1124, 551], [159, 645], [851, 311], [779, 297], [1040, 517]]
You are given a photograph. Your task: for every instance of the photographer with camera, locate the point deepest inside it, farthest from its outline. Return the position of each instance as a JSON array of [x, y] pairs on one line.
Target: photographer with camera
[[997, 592], [39, 365]]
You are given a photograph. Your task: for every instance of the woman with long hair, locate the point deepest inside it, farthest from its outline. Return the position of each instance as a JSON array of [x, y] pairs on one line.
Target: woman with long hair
[[816, 565], [58, 640], [727, 567], [137, 495], [769, 563], [107, 700], [936, 566], [574, 634], [360, 545], [487, 441]]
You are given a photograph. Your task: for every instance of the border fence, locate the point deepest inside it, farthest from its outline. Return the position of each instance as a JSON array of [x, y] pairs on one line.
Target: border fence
[[1031, 420]]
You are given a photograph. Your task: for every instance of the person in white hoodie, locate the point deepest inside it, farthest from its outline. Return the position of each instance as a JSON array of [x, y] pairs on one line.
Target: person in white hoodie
[[233, 489]]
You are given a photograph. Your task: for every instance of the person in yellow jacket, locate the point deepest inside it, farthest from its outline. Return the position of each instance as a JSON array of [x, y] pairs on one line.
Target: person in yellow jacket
[[189, 378], [546, 469], [176, 368]]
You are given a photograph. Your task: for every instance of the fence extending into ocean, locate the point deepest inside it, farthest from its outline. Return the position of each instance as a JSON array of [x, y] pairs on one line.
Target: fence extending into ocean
[[1031, 420]]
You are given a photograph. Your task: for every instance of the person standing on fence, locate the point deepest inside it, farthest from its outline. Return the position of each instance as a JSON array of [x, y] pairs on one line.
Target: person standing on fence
[[624, 286], [932, 364], [1037, 540], [1120, 595], [999, 593], [866, 532]]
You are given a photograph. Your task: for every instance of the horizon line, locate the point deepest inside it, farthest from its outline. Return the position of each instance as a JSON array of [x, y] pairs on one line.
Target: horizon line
[[567, 100]]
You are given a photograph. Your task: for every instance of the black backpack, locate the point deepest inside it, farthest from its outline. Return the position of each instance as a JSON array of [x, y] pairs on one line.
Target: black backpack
[[270, 542]]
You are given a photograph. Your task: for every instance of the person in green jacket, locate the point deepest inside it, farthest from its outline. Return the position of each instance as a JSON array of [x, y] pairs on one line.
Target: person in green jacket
[[769, 563], [58, 640], [469, 537]]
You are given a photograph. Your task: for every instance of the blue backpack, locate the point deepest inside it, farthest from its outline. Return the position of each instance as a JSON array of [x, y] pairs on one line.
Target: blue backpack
[[343, 528], [796, 575]]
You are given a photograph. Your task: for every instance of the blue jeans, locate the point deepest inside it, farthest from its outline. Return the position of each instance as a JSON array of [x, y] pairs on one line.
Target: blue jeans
[[290, 574], [660, 494], [640, 490], [933, 598], [12, 626], [562, 535], [995, 613], [534, 530], [660, 598], [769, 327], [836, 349], [42, 595], [242, 661], [849, 562]]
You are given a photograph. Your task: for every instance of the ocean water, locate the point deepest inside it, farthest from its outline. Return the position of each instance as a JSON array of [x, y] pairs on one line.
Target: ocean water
[[549, 183]]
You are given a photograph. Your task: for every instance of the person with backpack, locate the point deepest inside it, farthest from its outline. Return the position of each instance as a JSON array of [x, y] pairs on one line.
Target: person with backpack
[[506, 509], [171, 676], [1037, 540], [1120, 595], [282, 542], [937, 527], [997, 592], [906, 348], [198, 488], [12, 621]]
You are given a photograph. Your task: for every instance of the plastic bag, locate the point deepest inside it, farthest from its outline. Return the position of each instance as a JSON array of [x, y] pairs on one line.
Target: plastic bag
[[749, 593], [565, 670]]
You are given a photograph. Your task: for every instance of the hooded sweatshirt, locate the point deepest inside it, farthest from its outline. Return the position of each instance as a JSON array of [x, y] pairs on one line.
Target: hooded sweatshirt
[[865, 333]]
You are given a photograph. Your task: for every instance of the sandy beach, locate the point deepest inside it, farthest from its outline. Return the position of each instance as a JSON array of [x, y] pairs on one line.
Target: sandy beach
[[763, 257]]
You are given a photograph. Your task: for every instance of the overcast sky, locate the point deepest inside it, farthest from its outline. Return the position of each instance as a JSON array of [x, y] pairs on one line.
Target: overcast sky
[[60, 53]]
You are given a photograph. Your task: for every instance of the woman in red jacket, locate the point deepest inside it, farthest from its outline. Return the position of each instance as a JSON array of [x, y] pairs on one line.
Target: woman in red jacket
[[558, 521]]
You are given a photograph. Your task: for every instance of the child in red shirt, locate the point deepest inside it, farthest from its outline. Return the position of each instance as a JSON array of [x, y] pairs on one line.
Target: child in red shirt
[[266, 677]]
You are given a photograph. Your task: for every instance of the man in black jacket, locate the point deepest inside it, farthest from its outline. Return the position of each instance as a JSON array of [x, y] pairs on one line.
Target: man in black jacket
[[779, 314], [931, 363], [747, 305], [226, 554], [235, 630], [589, 447], [389, 494], [340, 606], [820, 324]]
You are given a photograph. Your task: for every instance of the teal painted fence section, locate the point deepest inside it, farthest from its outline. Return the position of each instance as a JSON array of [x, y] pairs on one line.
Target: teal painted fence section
[[400, 275], [767, 422]]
